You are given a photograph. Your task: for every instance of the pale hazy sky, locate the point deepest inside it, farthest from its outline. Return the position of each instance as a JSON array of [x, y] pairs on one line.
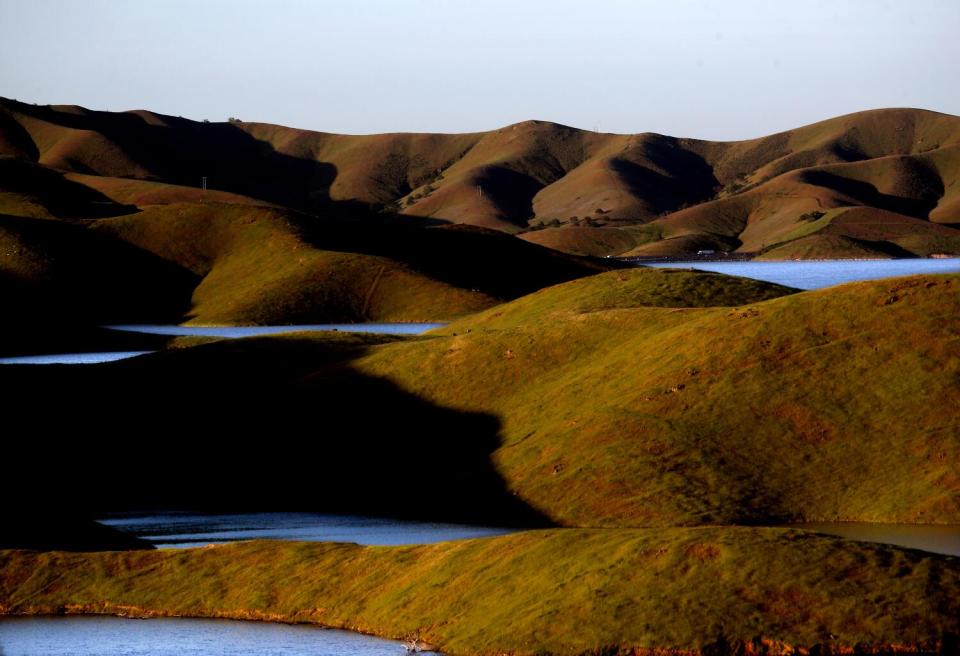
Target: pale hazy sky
[[707, 69]]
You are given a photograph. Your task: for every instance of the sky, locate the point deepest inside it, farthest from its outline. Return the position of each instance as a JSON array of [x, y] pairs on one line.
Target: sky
[[708, 69]]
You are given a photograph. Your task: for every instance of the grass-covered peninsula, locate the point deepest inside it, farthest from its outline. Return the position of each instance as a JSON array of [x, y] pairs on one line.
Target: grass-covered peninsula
[[709, 590]]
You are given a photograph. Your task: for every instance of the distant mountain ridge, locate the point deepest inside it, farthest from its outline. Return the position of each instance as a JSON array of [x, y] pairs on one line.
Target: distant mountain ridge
[[874, 183]]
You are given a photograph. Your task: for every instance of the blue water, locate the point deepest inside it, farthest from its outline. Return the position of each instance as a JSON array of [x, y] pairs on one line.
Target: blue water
[[254, 331], [814, 275], [73, 358], [189, 529], [114, 636], [231, 332]]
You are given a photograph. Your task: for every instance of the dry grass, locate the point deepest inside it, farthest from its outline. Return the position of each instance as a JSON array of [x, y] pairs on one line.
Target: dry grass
[[559, 592], [748, 195]]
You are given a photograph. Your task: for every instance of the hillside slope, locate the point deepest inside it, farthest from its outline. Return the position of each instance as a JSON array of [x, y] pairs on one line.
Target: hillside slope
[[78, 246], [630, 398], [836, 404], [709, 591], [743, 196]]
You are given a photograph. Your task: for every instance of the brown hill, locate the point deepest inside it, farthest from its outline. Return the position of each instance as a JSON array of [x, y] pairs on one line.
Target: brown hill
[[748, 196]]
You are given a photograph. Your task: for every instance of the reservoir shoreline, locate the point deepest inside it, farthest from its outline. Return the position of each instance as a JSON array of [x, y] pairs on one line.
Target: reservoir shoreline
[[531, 592]]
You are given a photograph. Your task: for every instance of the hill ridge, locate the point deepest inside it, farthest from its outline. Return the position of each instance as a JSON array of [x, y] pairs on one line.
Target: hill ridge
[[537, 178]]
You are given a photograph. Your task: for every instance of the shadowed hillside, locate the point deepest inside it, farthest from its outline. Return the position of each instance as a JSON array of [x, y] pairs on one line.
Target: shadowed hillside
[[630, 398], [266, 265], [56, 271], [52, 530], [643, 415], [243, 263], [228, 425], [644, 194]]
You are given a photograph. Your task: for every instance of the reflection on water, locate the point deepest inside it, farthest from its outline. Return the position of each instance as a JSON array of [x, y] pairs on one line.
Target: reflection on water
[[73, 358], [186, 529], [254, 331], [114, 636], [814, 275], [943, 539]]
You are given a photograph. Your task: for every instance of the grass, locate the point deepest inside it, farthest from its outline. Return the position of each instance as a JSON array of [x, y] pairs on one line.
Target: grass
[[52, 270], [864, 232], [633, 398], [257, 269], [692, 194], [598, 402], [578, 240], [630, 288], [561, 592], [835, 404], [267, 265]]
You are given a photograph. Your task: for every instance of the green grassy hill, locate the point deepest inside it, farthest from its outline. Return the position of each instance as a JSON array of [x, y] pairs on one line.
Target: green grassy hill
[[694, 591], [630, 398], [834, 404], [268, 265], [256, 268], [77, 249]]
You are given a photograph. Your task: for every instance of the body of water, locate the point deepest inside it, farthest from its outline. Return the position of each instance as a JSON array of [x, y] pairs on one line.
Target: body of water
[[942, 539], [255, 331], [115, 636], [817, 274], [73, 358], [231, 332], [187, 529]]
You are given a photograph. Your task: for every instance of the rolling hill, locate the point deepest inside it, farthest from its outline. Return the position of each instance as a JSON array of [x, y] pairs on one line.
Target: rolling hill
[[662, 417], [643, 415], [579, 191], [641, 397]]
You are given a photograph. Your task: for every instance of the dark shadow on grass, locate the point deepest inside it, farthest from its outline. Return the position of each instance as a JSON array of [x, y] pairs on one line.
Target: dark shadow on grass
[[466, 256], [885, 247], [179, 151], [869, 195], [55, 271], [258, 424], [61, 197]]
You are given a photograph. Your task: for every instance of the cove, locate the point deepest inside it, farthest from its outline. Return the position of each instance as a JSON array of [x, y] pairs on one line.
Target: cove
[[114, 636]]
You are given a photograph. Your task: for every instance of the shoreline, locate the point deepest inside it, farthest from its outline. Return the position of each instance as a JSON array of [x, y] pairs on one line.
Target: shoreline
[[757, 646], [640, 259], [704, 591]]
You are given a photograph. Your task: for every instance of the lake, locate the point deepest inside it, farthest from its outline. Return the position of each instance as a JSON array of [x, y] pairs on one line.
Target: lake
[[234, 332], [73, 358], [817, 274], [230, 332], [115, 636], [190, 529]]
